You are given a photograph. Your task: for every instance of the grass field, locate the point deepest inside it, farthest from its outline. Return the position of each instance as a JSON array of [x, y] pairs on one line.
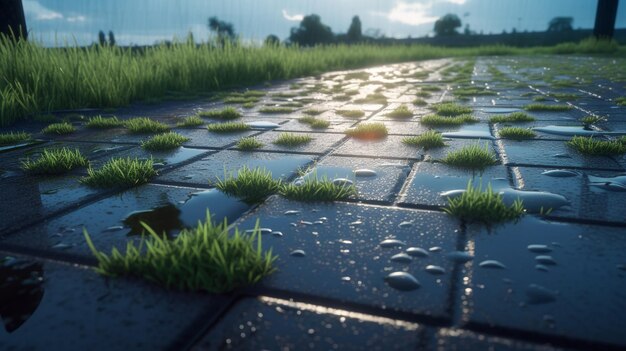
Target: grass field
[[34, 79]]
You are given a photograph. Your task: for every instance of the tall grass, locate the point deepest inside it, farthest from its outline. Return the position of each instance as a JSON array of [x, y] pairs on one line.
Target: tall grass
[[35, 79]]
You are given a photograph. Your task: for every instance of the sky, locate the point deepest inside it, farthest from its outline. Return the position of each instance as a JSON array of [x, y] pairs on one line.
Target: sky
[[57, 22]]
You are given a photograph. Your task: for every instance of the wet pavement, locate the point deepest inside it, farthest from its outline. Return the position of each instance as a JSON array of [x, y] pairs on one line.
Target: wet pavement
[[386, 269]]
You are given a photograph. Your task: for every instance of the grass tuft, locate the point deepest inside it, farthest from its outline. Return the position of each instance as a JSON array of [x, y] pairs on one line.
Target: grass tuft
[[249, 143], [475, 205], [59, 128], [227, 113], [144, 125], [595, 147], [313, 112], [120, 172], [472, 157], [351, 113], [55, 161], [437, 120], [190, 122], [164, 142], [241, 100], [99, 122], [451, 109], [515, 117], [591, 120], [314, 189], [548, 108], [374, 98], [251, 185], [419, 102], [368, 131], [276, 110], [401, 111], [428, 140], [292, 140], [516, 133], [11, 138], [313, 122], [204, 258], [228, 127]]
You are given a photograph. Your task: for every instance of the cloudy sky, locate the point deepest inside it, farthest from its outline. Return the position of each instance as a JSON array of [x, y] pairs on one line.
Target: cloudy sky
[[147, 21]]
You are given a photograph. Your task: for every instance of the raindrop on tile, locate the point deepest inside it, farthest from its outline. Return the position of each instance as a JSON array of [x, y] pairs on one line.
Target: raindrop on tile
[[402, 281]]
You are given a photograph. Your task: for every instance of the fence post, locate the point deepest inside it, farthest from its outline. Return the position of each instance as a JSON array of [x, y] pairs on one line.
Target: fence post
[[605, 19], [12, 19]]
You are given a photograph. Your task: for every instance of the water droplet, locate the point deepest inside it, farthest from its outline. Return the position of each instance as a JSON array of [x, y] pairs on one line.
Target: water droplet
[[62, 246], [492, 264], [114, 228], [363, 172], [417, 252], [357, 222], [435, 249], [387, 243], [189, 176], [405, 224], [401, 258], [342, 182], [541, 267], [402, 281], [537, 294], [437, 270], [50, 192], [318, 222], [560, 173], [539, 248], [562, 156], [534, 201], [277, 234], [347, 242], [306, 223], [345, 279], [262, 230], [545, 259], [459, 256], [297, 253], [291, 212], [263, 125]]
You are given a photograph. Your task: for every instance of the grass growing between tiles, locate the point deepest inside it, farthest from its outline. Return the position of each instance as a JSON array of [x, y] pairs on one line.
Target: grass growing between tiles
[[374, 98], [59, 129], [205, 258], [401, 111], [428, 140], [11, 138], [313, 112], [247, 144], [120, 172], [368, 131], [99, 122], [588, 121], [144, 125], [350, 113], [316, 123], [437, 120], [547, 108], [226, 113], [292, 140], [250, 185], [475, 205], [190, 122], [276, 110], [451, 109], [228, 127], [317, 189], [420, 102], [596, 147], [515, 117], [471, 157], [516, 133], [55, 161], [164, 142]]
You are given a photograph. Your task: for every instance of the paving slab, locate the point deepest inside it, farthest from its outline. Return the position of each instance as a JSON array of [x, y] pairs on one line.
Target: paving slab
[[459, 340], [275, 324], [53, 306], [343, 256], [391, 146], [569, 286], [206, 170], [320, 143]]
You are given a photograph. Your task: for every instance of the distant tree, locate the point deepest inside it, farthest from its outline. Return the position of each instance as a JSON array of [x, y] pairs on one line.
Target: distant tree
[[272, 40], [354, 32], [311, 32], [224, 30], [561, 24], [466, 30], [102, 38], [447, 25], [111, 38]]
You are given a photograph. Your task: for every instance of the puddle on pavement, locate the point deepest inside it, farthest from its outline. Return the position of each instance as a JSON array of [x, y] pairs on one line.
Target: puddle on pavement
[[499, 110], [575, 131], [176, 156], [170, 218], [534, 201], [263, 125], [617, 183], [282, 167], [470, 132], [21, 291]]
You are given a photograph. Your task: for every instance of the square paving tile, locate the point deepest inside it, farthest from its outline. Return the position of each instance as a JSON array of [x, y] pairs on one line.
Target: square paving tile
[[391, 146], [321, 142]]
